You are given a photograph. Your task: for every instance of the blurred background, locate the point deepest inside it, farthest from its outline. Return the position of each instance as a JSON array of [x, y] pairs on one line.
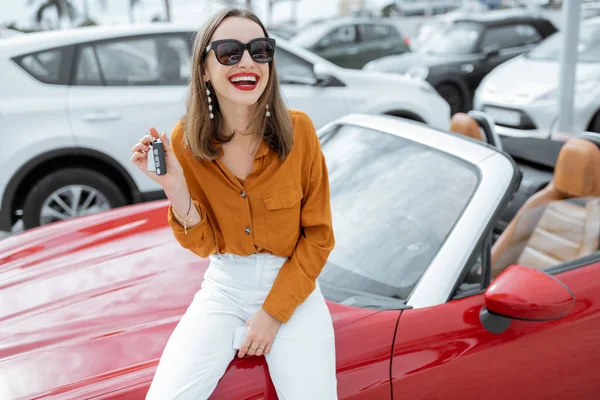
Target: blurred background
[[80, 79]]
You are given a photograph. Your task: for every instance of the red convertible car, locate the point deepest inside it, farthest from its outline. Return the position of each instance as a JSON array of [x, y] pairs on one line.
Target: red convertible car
[[431, 297]]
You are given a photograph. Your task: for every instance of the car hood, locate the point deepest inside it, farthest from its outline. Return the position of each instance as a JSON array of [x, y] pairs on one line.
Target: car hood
[[403, 62], [88, 304], [530, 79]]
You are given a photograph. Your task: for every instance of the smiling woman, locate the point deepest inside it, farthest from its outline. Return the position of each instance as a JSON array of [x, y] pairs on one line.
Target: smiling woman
[[249, 189]]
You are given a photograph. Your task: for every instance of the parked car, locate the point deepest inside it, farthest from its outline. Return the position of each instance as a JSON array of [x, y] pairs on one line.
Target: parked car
[[353, 42], [456, 59], [407, 8], [73, 102], [528, 107], [88, 304]]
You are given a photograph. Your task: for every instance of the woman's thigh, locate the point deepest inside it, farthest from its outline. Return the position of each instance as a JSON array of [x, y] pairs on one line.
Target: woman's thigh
[[302, 358], [199, 349]]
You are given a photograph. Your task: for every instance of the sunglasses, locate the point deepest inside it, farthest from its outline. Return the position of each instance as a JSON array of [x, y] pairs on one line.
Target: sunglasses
[[231, 51]]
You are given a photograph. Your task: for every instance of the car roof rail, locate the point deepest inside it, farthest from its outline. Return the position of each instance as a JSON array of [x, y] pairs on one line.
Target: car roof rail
[[487, 124]]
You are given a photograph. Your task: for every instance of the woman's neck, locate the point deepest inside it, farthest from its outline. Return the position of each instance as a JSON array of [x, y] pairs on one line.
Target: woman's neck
[[236, 118]]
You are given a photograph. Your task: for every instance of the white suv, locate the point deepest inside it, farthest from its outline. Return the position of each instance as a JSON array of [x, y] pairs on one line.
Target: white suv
[[73, 102]]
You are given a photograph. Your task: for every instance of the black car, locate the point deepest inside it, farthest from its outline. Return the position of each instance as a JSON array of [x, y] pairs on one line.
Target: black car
[[352, 42], [456, 59]]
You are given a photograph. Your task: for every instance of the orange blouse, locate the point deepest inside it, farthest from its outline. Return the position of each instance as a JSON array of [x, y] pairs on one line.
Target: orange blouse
[[282, 208]]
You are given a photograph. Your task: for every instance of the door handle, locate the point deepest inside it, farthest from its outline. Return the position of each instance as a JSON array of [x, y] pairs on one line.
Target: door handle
[[102, 116]]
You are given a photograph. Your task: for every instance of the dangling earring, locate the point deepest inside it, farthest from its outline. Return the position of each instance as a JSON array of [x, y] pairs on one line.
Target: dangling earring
[[210, 107], [268, 112]]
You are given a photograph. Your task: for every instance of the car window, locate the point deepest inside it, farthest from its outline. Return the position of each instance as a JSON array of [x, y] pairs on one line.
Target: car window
[[552, 234], [457, 38], [43, 66], [588, 48], [289, 65], [87, 71], [509, 36], [390, 218], [135, 62], [343, 35], [373, 32]]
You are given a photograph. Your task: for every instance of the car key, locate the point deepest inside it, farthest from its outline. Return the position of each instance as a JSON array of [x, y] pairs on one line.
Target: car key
[[156, 158]]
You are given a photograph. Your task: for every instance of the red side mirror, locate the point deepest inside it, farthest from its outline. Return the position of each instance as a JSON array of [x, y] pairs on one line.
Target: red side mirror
[[525, 293]]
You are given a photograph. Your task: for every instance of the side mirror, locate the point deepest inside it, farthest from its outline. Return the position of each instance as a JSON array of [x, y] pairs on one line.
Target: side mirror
[[491, 51], [524, 293], [324, 76]]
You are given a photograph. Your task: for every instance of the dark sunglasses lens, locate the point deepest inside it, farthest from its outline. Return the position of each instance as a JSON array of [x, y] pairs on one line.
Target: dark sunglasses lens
[[262, 51], [229, 53]]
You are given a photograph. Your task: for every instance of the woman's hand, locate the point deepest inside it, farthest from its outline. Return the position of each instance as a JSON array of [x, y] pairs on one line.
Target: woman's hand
[[262, 329], [174, 176]]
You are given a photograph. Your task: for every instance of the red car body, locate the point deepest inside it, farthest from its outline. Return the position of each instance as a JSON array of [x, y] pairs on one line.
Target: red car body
[[88, 305]]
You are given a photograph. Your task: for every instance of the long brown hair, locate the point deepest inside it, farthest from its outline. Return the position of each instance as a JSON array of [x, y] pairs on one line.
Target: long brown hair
[[201, 132]]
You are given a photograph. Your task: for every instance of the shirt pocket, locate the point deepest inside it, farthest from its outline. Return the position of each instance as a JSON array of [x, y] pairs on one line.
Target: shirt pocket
[[283, 218]]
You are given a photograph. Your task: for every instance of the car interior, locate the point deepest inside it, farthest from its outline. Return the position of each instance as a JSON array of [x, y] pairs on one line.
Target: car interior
[[554, 217]]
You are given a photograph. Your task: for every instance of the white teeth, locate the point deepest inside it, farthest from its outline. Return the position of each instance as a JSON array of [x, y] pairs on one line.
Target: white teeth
[[243, 78]]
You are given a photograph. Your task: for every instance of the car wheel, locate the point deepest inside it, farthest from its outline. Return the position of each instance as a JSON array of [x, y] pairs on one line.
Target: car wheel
[[452, 95], [68, 193]]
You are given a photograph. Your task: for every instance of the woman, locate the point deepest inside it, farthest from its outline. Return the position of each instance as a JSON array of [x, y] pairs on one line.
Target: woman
[[248, 187]]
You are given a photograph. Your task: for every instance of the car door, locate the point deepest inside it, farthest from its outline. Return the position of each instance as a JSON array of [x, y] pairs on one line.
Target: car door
[[340, 46], [376, 41], [322, 103], [504, 42], [122, 86], [447, 345]]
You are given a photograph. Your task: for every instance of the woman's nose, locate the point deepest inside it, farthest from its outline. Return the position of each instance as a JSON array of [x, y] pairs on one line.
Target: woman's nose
[[246, 61]]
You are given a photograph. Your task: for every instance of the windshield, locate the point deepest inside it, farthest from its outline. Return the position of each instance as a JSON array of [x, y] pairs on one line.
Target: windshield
[[310, 35], [394, 202], [457, 38], [588, 46]]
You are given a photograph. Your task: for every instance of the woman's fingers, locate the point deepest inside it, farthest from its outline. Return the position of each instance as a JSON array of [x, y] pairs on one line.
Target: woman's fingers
[[267, 349], [141, 148], [153, 132], [261, 349]]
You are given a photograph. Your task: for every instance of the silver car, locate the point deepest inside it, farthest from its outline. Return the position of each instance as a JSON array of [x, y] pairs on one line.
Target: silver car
[[522, 94]]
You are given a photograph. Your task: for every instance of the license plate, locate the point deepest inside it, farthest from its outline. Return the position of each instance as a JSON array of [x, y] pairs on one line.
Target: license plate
[[503, 117]]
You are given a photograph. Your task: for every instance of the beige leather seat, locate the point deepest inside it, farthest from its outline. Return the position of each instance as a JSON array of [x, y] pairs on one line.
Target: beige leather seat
[[466, 125], [545, 232]]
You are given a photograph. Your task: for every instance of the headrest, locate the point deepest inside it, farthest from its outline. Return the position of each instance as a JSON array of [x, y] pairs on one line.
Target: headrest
[[466, 125], [577, 171]]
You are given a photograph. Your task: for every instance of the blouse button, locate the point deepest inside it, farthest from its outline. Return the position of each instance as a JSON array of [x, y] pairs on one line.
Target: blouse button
[[248, 230], [243, 194]]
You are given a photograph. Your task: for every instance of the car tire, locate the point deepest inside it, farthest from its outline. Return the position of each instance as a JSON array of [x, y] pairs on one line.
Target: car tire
[[57, 190], [453, 97]]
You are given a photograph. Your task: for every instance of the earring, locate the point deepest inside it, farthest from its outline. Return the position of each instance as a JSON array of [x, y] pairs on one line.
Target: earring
[[210, 107], [268, 112]]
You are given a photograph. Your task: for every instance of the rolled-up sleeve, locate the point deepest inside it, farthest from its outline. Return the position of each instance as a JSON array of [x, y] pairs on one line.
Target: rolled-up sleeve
[[296, 279], [200, 238]]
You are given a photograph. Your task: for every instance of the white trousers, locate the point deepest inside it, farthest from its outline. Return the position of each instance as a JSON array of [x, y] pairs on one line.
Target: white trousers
[[302, 358]]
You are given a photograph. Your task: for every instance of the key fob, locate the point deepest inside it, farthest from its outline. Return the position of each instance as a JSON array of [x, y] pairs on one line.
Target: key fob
[[156, 158]]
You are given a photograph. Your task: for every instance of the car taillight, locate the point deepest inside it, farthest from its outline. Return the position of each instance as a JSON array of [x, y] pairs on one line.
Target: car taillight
[[407, 41]]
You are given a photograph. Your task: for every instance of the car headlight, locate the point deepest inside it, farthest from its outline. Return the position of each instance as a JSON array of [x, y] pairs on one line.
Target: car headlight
[[418, 72], [581, 87]]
